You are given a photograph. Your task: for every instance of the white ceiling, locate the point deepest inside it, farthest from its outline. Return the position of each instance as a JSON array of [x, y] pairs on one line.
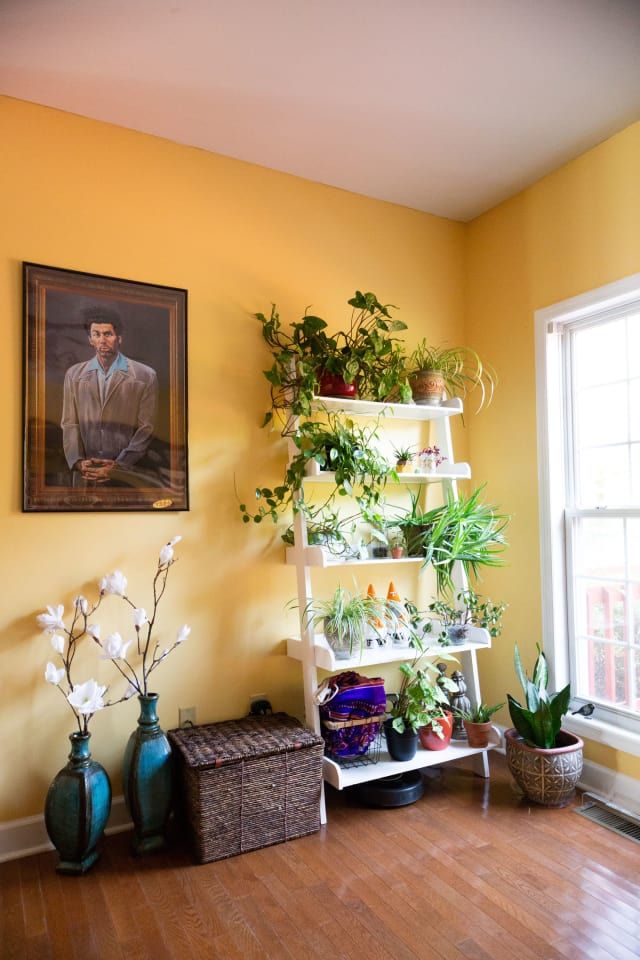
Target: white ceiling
[[447, 106]]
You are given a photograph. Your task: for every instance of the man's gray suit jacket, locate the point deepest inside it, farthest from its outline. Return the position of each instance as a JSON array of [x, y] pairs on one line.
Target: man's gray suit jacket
[[121, 428]]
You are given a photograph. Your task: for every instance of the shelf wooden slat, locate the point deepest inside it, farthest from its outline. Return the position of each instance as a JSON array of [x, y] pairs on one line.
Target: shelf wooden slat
[[399, 411], [341, 777], [478, 639]]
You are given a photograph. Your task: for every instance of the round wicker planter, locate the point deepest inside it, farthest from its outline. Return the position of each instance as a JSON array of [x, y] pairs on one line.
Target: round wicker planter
[[547, 777]]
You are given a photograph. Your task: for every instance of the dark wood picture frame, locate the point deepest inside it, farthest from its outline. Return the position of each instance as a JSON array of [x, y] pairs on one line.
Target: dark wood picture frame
[[94, 442]]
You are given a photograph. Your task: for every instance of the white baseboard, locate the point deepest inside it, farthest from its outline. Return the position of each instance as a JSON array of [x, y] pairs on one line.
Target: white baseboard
[[21, 838]]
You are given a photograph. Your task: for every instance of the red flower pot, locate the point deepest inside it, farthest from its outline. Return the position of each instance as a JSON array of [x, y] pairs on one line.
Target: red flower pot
[[332, 385], [429, 740]]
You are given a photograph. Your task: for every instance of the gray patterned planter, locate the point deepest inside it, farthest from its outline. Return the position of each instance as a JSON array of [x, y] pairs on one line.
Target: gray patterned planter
[[547, 777]]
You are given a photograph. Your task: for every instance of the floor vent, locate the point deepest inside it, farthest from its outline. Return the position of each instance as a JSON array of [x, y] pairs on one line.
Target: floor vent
[[613, 818]]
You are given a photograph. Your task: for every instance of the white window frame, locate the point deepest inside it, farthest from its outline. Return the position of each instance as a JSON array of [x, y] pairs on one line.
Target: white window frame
[[552, 467]]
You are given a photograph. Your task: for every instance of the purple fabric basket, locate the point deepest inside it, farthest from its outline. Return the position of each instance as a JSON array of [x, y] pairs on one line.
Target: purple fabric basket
[[351, 718]]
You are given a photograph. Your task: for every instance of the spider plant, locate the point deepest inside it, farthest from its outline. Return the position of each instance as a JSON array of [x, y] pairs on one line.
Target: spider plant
[[461, 368]]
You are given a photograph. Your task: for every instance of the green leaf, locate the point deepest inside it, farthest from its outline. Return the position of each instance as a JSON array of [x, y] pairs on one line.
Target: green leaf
[[268, 417], [520, 672], [521, 720]]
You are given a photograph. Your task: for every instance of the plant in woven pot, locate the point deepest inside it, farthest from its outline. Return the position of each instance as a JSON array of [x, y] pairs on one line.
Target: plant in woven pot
[[477, 723], [456, 370], [544, 759]]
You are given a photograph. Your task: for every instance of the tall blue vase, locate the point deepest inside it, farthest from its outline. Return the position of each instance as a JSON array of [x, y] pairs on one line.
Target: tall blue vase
[[77, 808], [147, 778]]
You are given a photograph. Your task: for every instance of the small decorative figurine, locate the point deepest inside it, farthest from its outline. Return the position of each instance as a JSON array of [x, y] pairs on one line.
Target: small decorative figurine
[[459, 703]]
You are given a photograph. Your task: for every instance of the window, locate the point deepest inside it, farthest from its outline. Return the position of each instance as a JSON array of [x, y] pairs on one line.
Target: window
[[588, 355]]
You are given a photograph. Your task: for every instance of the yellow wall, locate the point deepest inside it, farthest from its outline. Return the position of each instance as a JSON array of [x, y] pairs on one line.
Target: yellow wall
[[573, 231], [88, 196]]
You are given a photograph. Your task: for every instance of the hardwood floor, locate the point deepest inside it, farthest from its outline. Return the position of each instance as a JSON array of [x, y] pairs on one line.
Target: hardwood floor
[[469, 872]]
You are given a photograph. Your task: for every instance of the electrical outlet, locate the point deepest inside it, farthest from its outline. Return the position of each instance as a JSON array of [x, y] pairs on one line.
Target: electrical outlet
[[187, 716]]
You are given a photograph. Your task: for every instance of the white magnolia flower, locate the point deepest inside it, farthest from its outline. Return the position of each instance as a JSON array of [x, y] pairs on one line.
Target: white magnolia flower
[[115, 648], [129, 692], [165, 652], [57, 642], [53, 675], [87, 697], [115, 583], [166, 554], [139, 617], [183, 633], [82, 604], [52, 619], [94, 630], [174, 540]]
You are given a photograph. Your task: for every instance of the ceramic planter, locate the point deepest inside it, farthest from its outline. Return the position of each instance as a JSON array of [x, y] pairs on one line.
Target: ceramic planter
[[397, 553], [340, 645], [429, 739], [427, 387], [147, 778], [547, 777], [332, 385], [401, 746], [478, 733]]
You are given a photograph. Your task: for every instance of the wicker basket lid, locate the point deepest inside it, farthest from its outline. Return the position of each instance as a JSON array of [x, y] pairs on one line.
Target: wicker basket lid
[[215, 744]]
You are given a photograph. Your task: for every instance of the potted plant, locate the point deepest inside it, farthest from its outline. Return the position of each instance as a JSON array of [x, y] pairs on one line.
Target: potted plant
[[432, 370], [464, 530], [469, 609], [337, 445], [347, 619], [327, 529], [477, 723], [404, 457], [429, 459], [544, 759], [365, 359], [421, 702], [397, 543]]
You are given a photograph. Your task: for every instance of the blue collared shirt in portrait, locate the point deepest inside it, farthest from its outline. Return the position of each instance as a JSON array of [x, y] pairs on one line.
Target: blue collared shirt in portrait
[[120, 363]]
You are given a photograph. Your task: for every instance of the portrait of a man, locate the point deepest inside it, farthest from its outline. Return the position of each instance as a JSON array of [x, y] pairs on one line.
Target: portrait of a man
[[105, 411]]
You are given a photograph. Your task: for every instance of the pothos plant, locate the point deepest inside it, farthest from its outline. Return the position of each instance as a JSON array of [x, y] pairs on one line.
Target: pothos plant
[[337, 445], [366, 352], [87, 698], [422, 697]]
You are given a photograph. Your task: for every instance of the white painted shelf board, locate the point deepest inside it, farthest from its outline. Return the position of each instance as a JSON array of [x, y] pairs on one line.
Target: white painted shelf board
[[457, 471], [400, 411], [316, 557], [341, 777], [370, 657]]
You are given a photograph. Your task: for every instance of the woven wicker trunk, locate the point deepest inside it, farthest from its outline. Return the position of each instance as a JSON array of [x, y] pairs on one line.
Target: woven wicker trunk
[[248, 783]]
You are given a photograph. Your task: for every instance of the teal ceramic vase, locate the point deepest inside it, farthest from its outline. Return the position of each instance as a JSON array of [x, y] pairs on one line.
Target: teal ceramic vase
[[77, 808], [147, 778]]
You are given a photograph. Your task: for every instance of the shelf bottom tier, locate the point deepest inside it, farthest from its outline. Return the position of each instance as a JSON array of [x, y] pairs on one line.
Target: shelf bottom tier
[[341, 777]]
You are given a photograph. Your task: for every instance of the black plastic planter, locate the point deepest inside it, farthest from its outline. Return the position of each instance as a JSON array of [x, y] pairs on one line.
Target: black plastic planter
[[401, 746]]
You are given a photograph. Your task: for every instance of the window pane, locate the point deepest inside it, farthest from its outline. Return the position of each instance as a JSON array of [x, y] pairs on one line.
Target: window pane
[[603, 477], [597, 352], [600, 548], [601, 414], [634, 409], [605, 676], [633, 341], [633, 548], [600, 609], [635, 475]]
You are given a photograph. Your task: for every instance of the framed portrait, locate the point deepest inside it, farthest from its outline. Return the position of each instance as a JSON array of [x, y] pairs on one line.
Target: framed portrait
[[105, 386]]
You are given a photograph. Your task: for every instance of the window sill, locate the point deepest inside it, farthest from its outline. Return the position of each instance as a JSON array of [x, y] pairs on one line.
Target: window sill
[[606, 733]]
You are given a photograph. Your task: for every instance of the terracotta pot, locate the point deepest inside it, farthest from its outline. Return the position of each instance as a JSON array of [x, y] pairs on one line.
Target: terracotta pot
[[429, 740], [332, 385], [397, 553], [547, 777], [427, 387], [477, 733]]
